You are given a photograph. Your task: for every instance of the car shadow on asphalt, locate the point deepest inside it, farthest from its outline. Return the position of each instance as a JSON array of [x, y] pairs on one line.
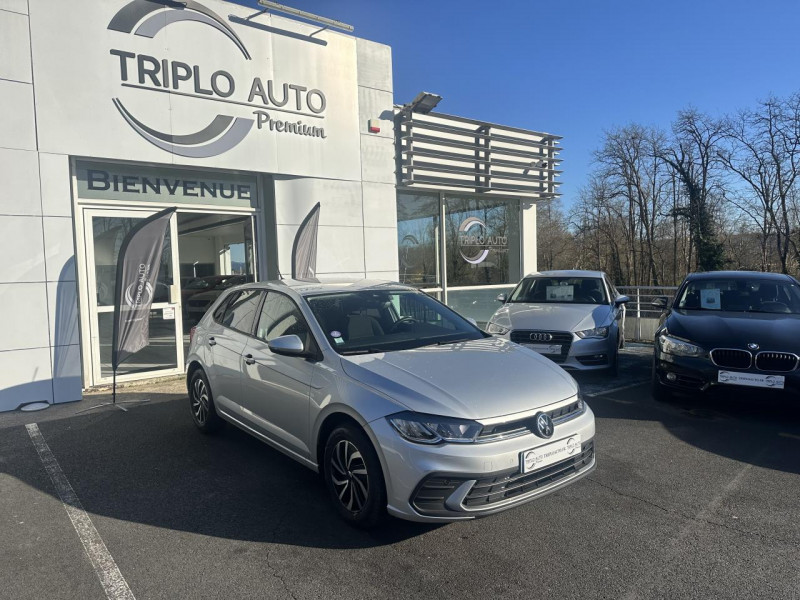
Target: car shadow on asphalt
[[153, 467]]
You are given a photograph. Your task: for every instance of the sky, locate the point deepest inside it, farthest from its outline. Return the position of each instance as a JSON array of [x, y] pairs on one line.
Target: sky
[[577, 67]]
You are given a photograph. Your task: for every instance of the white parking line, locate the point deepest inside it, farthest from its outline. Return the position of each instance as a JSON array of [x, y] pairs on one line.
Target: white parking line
[[114, 584], [617, 389]]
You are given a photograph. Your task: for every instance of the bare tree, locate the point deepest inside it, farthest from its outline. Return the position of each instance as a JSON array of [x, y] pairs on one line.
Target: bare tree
[[764, 151], [694, 155]]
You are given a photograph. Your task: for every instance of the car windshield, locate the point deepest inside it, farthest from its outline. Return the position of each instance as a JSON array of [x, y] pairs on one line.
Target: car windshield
[[560, 290], [741, 295], [384, 321]]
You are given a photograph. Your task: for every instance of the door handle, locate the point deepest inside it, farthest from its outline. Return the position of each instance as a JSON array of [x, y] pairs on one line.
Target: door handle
[[248, 358], [212, 341]]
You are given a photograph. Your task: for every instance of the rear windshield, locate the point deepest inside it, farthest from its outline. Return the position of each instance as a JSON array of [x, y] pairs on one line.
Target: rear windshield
[[560, 290], [741, 295]]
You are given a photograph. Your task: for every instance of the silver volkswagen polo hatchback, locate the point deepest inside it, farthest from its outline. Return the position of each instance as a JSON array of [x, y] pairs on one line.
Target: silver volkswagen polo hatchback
[[400, 403]]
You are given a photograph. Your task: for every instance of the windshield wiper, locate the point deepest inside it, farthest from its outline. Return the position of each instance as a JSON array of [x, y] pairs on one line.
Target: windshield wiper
[[370, 350], [458, 341]]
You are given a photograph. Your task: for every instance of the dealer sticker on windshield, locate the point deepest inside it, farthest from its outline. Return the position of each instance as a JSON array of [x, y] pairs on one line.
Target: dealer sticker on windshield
[[774, 382], [549, 454]]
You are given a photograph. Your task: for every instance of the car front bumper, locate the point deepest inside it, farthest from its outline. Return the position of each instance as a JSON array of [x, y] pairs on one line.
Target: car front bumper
[[591, 354], [452, 482], [690, 374]]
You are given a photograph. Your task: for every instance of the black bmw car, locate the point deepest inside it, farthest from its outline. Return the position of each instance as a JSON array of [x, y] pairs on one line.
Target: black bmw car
[[729, 328]]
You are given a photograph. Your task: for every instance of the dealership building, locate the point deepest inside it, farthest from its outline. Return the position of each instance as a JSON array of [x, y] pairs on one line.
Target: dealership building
[[243, 120]]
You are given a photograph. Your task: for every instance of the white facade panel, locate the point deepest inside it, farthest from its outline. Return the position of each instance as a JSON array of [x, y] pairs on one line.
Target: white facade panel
[[381, 249], [18, 6], [340, 201], [529, 241], [374, 65], [380, 204], [60, 249], [377, 159], [62, 307], [67, 385], [376, 105], [56, 192], [15, 60], [23, 316], [340, 250], [27, 377], [19, 172], [21, 245], [17, 123]]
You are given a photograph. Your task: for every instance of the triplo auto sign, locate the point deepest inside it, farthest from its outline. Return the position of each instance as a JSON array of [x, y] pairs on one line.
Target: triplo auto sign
[[280, 107]]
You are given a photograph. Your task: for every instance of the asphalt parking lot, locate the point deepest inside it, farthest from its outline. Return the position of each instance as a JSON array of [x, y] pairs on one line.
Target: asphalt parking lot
[[696, 499]]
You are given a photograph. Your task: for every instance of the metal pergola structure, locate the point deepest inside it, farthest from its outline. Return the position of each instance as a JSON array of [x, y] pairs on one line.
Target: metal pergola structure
[[439, 151]]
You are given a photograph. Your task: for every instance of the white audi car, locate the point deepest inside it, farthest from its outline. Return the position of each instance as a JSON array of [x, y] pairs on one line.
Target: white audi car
[[574, 318]]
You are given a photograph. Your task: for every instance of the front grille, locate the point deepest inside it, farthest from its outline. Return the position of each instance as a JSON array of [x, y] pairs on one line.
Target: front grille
[[491, 490], [564, 338], [776, 361], [527, 425], [731, 359]]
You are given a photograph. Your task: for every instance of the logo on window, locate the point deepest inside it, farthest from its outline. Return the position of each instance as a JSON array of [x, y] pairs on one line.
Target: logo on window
[[473, 242]]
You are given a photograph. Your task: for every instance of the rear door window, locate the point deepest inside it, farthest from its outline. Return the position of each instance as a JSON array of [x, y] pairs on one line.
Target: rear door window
[[240, 313]]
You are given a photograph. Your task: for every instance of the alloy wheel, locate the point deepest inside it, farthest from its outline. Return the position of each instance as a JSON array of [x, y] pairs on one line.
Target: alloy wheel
[[349, 476], [200, 401]]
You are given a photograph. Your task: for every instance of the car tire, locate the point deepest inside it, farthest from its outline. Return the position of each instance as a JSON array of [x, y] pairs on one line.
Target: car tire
[[201, 403], [613, 369], [354, 477]]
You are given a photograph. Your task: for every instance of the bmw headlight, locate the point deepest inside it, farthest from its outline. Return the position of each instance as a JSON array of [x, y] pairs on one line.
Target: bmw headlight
[[497, 329], [678, 347], [597, 332], [431, 429]]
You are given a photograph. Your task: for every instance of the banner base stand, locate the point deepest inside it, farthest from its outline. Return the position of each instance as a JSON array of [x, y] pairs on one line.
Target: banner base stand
[[117, 404]]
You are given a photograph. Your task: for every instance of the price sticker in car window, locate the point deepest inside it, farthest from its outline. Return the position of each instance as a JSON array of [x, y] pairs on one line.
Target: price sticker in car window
[[710, 299], [561, 292]]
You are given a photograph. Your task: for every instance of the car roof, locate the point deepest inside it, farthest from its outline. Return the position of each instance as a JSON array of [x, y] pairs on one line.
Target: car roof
[[737, 275], [567, 273], [309, 287]]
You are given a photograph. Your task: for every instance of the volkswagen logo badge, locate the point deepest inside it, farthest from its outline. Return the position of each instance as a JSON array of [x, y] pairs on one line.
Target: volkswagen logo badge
[[541, 337], [753, 346], [544, 425]]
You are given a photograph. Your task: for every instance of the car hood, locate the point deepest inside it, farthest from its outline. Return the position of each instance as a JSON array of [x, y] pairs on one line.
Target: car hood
[[553, 317], [478, 379], [779, 332]]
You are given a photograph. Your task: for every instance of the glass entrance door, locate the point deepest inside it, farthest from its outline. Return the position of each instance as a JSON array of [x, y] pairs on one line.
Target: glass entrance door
[[104, 232]]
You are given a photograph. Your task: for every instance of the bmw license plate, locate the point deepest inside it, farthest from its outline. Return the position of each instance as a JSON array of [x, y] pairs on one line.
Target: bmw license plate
[[545, 348], [774, 382], [537, 458]]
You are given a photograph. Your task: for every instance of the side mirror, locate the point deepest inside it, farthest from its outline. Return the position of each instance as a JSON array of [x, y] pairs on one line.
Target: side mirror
[[621, 300], [660, 302], [473, 321], [288, 345], [502, 298]]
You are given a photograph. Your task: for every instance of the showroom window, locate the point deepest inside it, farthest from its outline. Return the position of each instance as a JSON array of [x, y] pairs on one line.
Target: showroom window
[[468, 261]]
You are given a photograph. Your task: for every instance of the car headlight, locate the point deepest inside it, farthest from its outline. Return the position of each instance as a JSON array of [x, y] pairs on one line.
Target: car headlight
[[431, 429], [497, 329], [597, 332], [676, 347]]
